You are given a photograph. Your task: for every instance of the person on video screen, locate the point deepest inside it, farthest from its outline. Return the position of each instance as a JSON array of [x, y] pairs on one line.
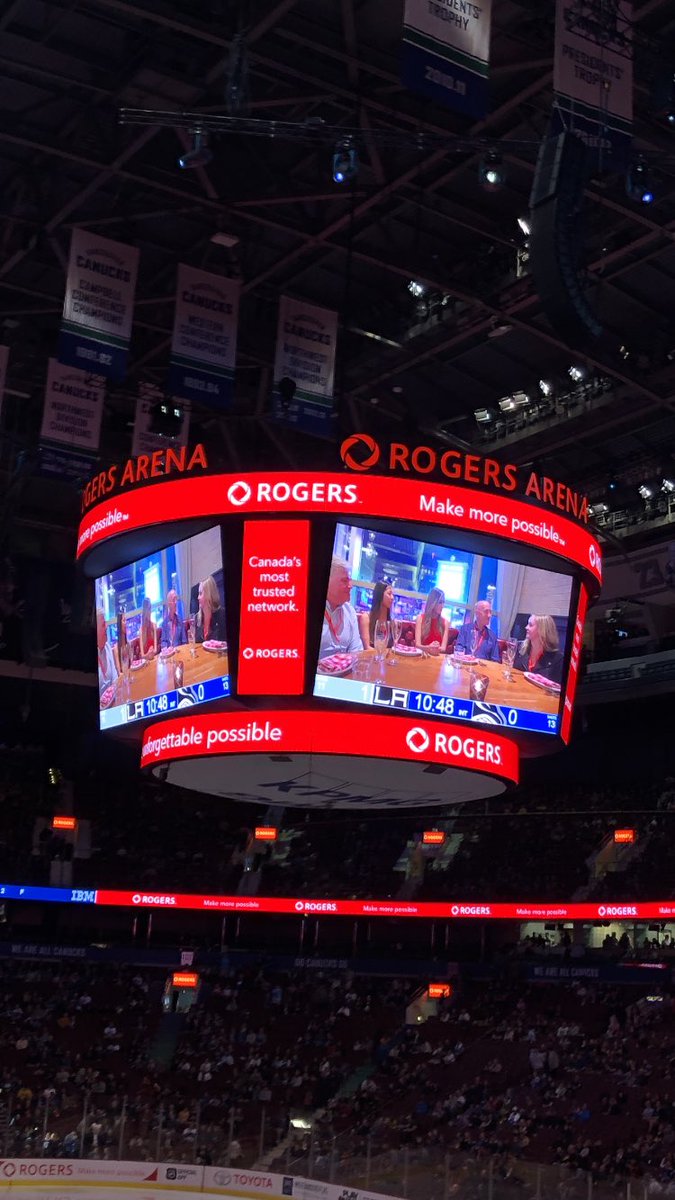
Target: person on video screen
[[475, 637], [172, 628], [540, 652], [380, 610], [340, 631], [431, 627], [210, 622], [107, 667], [148, 634]]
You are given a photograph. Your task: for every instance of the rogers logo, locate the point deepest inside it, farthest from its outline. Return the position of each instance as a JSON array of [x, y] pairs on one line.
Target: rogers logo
[[135, 899], [152, 899], [311, 906], [362, 463], [617, 910], [417, 740], [247, 652], [239, 493], [8, 1167], [471, 910]]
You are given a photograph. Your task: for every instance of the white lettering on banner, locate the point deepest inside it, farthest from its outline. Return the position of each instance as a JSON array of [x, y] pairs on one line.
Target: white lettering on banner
[[73, 407], [617, 910], [418, 740], [305, 352], [140, 898], [471, 910]]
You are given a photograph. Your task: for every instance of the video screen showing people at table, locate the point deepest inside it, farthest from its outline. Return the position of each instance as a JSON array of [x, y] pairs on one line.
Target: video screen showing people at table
[[450, 622], [160, 627]]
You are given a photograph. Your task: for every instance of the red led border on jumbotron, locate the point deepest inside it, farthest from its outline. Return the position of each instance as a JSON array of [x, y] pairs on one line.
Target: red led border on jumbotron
[[304, 494]]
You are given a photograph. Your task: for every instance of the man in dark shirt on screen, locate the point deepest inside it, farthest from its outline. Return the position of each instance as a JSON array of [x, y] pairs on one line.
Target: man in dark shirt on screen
[[476, 637]]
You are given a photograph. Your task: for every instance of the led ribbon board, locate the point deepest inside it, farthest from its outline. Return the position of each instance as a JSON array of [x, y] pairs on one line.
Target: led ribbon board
[[279, 494]]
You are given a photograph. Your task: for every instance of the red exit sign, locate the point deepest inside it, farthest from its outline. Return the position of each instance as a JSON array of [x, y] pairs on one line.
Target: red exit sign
[[266, 833], [185, 979], [439, 991], [433, 837], [273, 608], [624, 837], [64, 823]]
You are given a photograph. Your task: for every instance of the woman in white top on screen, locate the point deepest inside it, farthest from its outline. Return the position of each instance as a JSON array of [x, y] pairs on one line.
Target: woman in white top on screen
[[340, 632], [107, 669]]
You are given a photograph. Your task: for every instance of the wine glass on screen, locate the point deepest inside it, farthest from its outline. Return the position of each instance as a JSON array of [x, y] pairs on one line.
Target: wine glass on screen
[[475, 642], [510, 653], [191, 635], [380, 640], [125, 664], [396, 627]]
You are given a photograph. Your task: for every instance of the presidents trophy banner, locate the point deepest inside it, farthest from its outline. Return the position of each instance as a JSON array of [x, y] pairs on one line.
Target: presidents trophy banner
[[144, 440], [98, 305], [593, 76], [204, 344], [305, 356], [446, 52], [71, 421]]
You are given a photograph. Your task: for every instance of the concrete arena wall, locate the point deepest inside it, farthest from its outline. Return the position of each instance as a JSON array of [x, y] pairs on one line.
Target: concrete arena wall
[[58, 1174]]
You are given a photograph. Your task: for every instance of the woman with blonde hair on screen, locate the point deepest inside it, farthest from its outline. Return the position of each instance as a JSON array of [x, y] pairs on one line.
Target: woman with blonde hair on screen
[[540, 653], [431, 627], [210, 622]]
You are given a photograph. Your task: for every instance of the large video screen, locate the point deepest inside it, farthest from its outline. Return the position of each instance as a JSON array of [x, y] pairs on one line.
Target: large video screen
[[161, 632], [429, 629]]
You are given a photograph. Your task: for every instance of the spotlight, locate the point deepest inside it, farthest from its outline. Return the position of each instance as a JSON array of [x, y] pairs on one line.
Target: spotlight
[[638, 183], [166, 419], [483, 415], [416, 289], [525, 225], [491, 173], [645, 491], [545, 387], [286, 388], [597, 510], [577, 373], [199, 155], [668, 485], [345, 161]]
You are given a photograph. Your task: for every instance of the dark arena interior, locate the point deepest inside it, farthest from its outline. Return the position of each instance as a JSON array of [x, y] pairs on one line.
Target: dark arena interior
[[337, 599]]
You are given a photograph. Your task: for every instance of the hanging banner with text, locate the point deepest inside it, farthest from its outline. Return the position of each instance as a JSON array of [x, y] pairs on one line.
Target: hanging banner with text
[[145, 439], [593, 77], [273, 602], [446, 51], [4, 359], [305, 357], [98, 305], [71, 421], [204, 344]]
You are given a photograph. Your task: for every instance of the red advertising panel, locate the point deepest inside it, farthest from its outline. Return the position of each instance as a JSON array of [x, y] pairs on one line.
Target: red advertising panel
[[573, 673], [331, 731], [266, 833], [330, 493], [64, 823], [624, 837], [185, 979], [433, 837], [439, 991], [273, 608]]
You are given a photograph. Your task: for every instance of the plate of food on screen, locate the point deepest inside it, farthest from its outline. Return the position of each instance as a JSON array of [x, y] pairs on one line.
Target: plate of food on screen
[[168, 652], [336, 664], [107, 696], [138, 663], [406, 650], [215, 647], [540, 681]]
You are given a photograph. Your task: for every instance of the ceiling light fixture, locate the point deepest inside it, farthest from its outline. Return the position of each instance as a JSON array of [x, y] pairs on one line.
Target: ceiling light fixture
[[645, 491], [416, 288], [525, 225], [545, 387], [491, 173], [577, 373], [639, 184], [345, 161], [199, 155]]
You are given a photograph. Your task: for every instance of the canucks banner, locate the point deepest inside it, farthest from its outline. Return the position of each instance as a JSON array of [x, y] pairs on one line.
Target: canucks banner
[[593, 76], [98, 305], [306, 340], [204, 345], [446, 51], [71, 421]]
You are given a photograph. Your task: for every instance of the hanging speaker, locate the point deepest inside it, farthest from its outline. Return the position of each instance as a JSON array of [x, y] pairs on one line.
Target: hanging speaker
[[556, 241]]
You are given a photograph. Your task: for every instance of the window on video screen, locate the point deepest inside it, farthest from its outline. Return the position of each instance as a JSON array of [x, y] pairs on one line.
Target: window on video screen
[[160, 632], [414, 626]]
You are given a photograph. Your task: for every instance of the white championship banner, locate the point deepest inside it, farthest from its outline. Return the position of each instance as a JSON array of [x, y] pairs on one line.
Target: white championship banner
[[98, 304]]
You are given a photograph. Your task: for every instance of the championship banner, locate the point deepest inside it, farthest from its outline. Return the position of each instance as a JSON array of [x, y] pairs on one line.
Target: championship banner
[[204, 344], [98, 305], [593, 76], [144, 440], [446, 52], [71, 421], [305, 357], [4, 358]]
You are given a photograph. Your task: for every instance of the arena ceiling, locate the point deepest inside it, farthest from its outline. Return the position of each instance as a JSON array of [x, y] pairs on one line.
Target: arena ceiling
[[416, 211]]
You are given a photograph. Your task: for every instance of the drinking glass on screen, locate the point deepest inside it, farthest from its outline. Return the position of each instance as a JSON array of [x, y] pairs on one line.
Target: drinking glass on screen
[[191, 636], [511, 649], [380, 639], [396, 626]]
